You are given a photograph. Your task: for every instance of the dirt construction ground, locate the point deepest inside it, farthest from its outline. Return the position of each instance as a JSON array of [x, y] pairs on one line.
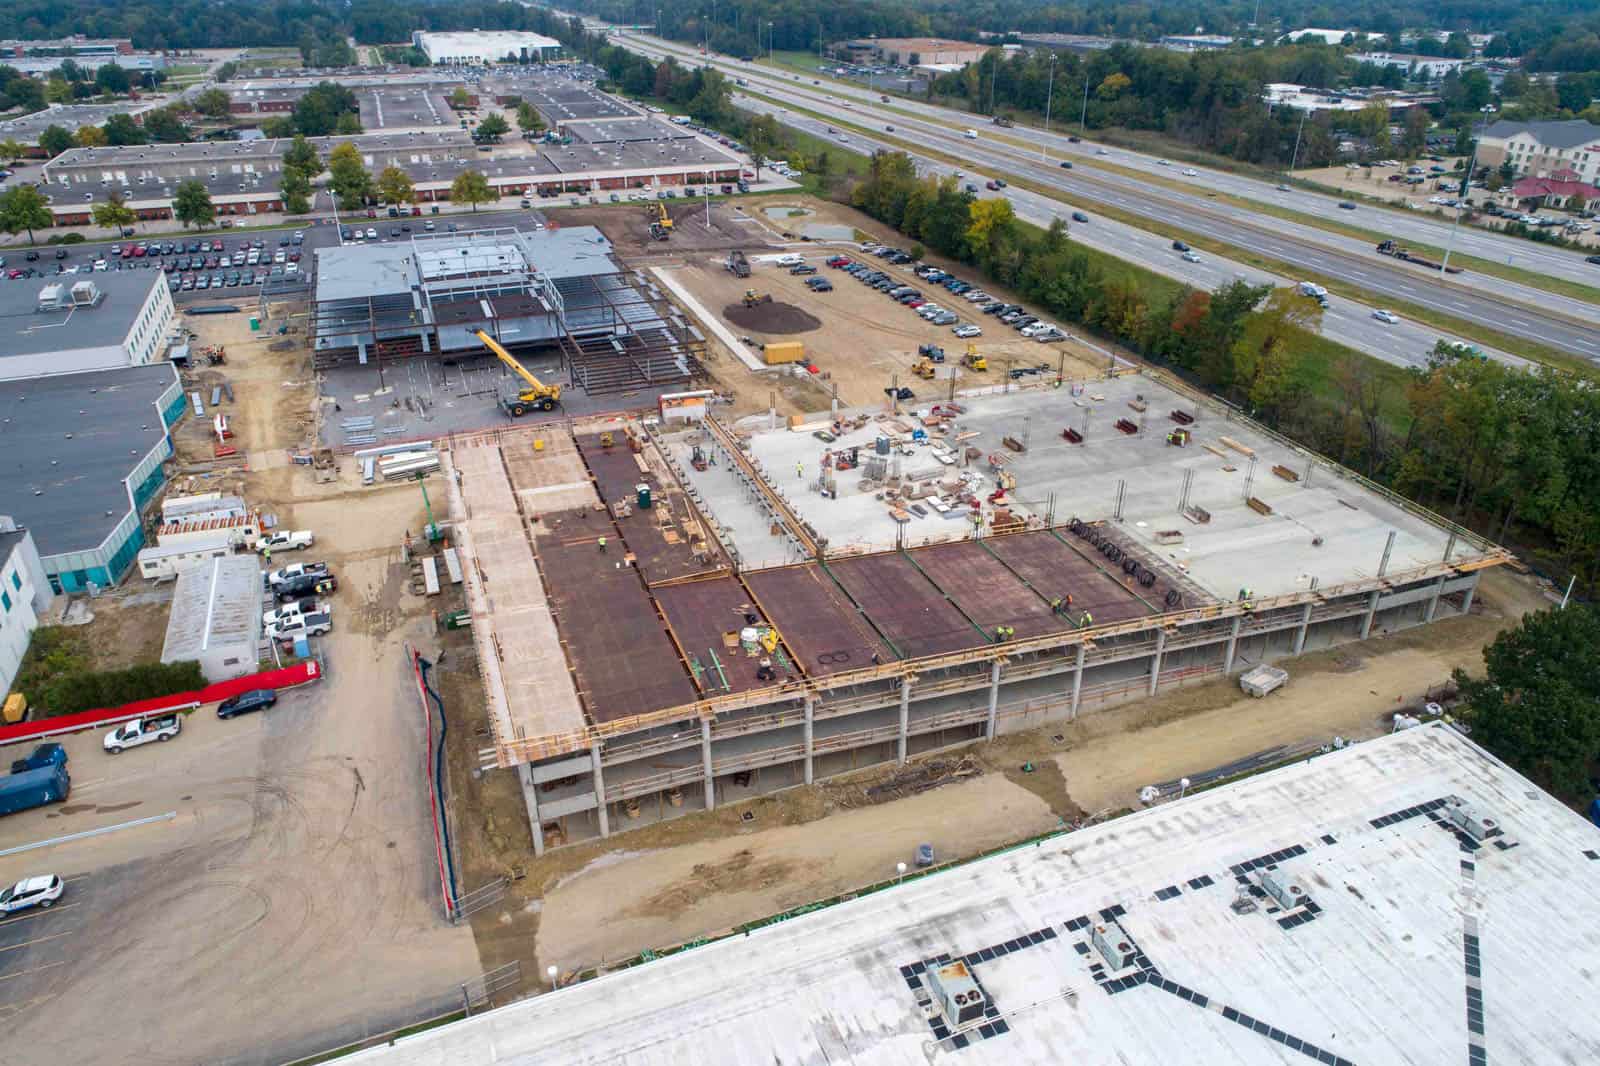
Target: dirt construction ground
[[706, 873], [286, 899]]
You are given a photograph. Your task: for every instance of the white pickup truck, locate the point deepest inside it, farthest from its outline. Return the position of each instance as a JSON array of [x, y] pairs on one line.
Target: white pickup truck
[[286, 541], [308, 625], [142, 731], [293, 570], [294, 610]]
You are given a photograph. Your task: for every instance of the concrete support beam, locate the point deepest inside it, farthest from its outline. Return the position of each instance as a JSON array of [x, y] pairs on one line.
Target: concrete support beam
[[905, 717], [994, 701], [530, 797], [1433, 600], [600, 791], [1472, 589], [1300, 634], [1372, 611], [1155, 660], [1077, 682], [1233, 646], [705, 760], [811, 718]]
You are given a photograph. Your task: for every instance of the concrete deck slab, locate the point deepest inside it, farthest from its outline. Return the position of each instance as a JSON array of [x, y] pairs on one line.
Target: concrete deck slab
[[815, 619], [905, 606], [1054, 566], [703, 615], [666, 538], [984, 590]]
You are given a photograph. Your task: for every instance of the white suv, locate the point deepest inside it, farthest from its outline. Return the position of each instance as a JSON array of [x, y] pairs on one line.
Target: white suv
[[40, 891], [790, 260]]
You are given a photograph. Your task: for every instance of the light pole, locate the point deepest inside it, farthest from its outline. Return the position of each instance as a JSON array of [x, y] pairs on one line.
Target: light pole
[[1050, 93], [1461, 199], [900, 871], [1083, 117], [1295, 157], [552, 972], [769, 41]]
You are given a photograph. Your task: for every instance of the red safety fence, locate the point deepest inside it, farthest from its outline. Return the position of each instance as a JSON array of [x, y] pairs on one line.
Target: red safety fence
[[288, 677]]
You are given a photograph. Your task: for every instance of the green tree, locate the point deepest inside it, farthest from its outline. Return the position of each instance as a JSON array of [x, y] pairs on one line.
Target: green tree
[[122, 130], [302, 155], [493, 127], [165, 127], [459, 98], [348, 176], [113, 80], [55, 140], [23, 209], [296, 190], [1538, 705], [528, 118], [113, 214], [213, 103], [318, 112], [191, 205], [762, 136], [12, 150], [348, 124], [394, 186], [90, 137], [471, 187]]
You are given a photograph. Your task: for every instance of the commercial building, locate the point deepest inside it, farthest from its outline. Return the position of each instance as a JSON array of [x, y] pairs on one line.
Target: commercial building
[[243, 177], [74, 47], [1558, 190], [78, 322], [136, 63], [24, 595], [913, 51], [216, 617], [1306, 98], [1405, 900], [480, 48], [1540, 149], [1197, 42], [84, 455], [387, 100], [784, 619], [70, 117], [1311, 34], [557, 290], [1422, 68]]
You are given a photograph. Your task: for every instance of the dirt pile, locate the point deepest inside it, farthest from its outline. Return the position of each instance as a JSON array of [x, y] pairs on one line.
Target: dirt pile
[[771, 317]]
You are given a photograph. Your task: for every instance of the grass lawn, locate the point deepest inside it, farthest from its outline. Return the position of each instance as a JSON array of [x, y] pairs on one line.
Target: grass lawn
[[802, 61]]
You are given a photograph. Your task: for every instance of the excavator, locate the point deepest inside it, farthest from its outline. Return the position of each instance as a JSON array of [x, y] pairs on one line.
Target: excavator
[[537, 394], [973, 360], [660, 222], [752, 298]]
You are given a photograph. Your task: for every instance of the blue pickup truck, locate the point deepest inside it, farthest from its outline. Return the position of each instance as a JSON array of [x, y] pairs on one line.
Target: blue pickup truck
[[43, 755]]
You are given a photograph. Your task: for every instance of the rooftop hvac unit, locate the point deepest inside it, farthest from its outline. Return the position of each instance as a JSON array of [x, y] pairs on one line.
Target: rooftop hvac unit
[[957, 994], [1468, 820], [1282, 888], [1116, 949]]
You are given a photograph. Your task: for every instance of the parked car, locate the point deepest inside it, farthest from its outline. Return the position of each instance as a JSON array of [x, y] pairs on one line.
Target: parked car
[[967, 331], [305, 625], [790, 260], [820, 284], [306, 585], [41, 756], [294, 570], [41, 891], [245, 702], [803, 268], [310, 605], [286, 540], [161, 727]]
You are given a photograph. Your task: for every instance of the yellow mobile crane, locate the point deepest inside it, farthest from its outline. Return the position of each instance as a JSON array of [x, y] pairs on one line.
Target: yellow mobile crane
[[537, 394]]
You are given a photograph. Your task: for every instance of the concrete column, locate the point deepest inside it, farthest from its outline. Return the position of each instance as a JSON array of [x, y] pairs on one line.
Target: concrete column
[[1466, 603], [1233, 646], [1077, 683], [1155, 660], [705, 760], [1433, 601], [1300, 634], [600, 791], [905, 717], [530, 797], [994, 700], [811, 717], [1372, 610]]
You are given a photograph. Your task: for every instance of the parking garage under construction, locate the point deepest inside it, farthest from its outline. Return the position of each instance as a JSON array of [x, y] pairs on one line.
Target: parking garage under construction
[[560, 290], [675, 613]]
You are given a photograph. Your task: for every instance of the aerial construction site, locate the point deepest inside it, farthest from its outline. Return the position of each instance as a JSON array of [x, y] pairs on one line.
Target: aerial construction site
[[673, 612]]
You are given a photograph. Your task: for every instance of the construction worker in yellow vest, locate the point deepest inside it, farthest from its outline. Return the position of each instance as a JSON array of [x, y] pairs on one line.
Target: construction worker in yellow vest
[[602, 545]]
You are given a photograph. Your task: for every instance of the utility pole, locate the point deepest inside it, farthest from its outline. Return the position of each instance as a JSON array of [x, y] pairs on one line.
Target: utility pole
[[1295, 158], [1461, 199], [1049, 94], [1083, 118]]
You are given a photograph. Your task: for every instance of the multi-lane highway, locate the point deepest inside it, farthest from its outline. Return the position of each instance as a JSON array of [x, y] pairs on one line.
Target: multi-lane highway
[[1545, 318]]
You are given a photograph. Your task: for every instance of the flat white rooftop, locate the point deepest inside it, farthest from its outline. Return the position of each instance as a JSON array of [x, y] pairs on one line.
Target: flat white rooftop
[[1419, 944]]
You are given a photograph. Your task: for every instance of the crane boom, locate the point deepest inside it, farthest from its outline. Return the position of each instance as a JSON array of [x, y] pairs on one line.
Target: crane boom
[[537, 394]]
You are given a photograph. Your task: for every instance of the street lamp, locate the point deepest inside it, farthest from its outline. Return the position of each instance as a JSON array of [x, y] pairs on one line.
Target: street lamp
[[1295, 157], [900, 871], [1049, 94], [552, 972], [1083, 117]]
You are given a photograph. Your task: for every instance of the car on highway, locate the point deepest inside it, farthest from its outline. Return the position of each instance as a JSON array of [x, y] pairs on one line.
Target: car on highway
[[1079, 216], [1101, 151], [41, 891], [1191, 257], [1163, 162], [245, 702], [1190, 172], [1284, 188], [1066, 164], [1179, 246], [1346, 205], [1074, 138], [1386, 316], [1595, 259]]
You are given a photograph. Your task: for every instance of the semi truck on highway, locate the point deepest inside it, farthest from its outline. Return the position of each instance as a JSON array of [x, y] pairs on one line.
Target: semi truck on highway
[[1400, 252]]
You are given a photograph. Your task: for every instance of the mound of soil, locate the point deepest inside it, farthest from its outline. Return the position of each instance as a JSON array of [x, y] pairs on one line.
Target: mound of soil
[[772, 317]]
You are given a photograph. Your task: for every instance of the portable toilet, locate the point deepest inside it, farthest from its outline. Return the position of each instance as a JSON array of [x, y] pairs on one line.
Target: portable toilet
[[302, 647], [643, 490]]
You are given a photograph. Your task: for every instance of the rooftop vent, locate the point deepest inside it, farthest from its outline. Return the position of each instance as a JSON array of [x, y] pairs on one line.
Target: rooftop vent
[[1112, 945], [1283, 889], [1469, 821]]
